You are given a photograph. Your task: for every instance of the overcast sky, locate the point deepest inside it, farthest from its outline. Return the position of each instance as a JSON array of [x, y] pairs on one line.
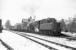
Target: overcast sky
[[15, 10]]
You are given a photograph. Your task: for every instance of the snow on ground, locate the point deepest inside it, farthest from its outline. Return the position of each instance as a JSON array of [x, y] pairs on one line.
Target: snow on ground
[[2, 47], [44, 42], [20, 43], [59, 40], [58, 47], [69, 34]]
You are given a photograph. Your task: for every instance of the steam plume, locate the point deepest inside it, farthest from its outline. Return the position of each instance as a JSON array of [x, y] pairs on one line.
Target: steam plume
[[32, 6]]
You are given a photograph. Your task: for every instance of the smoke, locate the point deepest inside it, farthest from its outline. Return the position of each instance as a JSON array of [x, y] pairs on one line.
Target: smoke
[[32, 6]]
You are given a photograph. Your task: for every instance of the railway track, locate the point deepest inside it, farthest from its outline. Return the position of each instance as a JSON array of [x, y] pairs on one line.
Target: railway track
[[61, 36], [50, 48], [47, 43], [6, 45], [52, 42]]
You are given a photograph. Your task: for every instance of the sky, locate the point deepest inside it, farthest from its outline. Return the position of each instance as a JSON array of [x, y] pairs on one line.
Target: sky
[[15, 10]]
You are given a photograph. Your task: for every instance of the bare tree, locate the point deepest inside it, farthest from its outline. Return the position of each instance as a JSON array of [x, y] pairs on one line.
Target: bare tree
[[7, 24]]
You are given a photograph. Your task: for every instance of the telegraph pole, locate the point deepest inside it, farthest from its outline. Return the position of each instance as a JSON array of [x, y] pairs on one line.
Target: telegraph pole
[[1, 27]]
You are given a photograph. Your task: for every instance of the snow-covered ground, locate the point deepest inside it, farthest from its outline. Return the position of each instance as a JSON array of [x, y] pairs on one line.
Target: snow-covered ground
[[19, 43], [64, 41], [69, 34], [2, 47]]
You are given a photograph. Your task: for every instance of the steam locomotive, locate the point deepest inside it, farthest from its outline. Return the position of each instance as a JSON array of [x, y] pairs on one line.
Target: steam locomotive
[[46, 26]]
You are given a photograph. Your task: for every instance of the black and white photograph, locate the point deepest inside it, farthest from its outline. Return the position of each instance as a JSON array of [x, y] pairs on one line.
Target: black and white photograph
[[37, 24]]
